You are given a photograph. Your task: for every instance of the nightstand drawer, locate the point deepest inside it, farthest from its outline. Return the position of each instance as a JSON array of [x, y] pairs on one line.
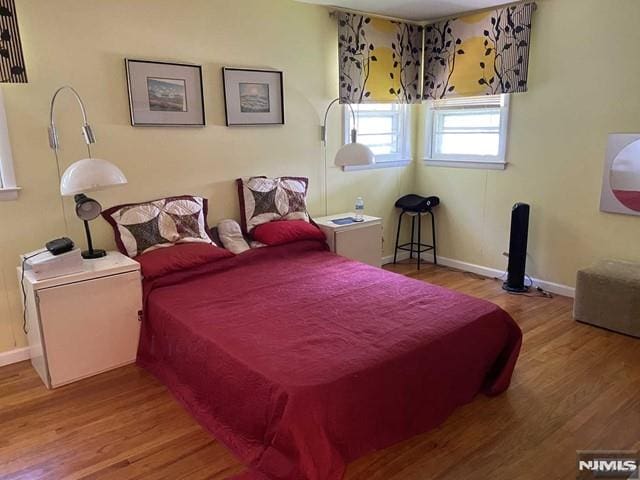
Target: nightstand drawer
[[91, 326]]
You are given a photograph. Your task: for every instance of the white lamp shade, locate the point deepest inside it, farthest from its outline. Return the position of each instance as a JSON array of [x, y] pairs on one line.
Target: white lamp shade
[[90, 174], [353, 154]]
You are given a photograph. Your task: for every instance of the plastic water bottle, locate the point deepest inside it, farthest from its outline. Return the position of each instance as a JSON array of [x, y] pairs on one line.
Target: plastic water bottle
[[359, 217]]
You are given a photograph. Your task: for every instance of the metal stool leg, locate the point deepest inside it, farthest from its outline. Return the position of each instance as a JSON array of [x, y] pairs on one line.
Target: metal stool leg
[[395, 252], [433, 233], [413, 227], [419, 239]]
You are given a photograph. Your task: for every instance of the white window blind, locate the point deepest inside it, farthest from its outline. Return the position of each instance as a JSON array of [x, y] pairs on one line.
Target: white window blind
[[384, 128], [468, 130]]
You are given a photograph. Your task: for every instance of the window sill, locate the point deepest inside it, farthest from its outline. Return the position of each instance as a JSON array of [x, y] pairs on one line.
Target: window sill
[[9, 193], [387, 164], [478, 164]]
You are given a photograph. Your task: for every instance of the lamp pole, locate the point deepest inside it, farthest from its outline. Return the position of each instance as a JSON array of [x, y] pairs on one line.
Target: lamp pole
[[350, 154], [54, 141]]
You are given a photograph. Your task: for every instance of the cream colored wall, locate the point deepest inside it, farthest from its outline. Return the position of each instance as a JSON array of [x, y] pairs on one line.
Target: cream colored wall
[[583, 81], [84, 43], [583, 85]]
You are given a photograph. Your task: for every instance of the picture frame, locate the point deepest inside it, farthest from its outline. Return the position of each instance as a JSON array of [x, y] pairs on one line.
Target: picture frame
[[253, 97], [165, 94]]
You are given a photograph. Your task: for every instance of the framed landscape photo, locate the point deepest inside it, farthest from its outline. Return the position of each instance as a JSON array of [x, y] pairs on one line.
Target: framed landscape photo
[[253, 97], [165, 94]]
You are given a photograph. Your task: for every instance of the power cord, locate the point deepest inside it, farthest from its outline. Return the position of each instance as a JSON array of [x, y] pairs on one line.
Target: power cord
[[24, 291], [541, 291], [530, 280], [544, 292]]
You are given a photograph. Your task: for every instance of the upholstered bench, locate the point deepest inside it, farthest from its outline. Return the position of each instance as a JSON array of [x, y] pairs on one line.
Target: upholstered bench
[[608, 296]]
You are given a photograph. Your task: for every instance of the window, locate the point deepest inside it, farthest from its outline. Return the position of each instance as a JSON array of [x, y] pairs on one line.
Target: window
[[8, 189], [384, 128], [468, 132]]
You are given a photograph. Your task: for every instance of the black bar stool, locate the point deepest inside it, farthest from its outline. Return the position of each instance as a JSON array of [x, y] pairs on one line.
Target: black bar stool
[[416, 206]]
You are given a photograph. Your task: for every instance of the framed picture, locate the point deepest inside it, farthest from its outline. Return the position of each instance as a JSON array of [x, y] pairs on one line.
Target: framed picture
[[165, 94], [253, 97]]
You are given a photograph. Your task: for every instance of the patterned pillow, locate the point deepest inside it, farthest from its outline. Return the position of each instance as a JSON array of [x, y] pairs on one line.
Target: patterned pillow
[[265, 199], [142, 227]]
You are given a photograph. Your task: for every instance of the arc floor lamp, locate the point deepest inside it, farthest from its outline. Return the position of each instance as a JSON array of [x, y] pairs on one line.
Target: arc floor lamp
[[349, 154], [86, 175]]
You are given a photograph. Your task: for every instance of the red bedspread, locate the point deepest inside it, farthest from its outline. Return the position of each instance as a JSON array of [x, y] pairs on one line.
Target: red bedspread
[[301, 361]]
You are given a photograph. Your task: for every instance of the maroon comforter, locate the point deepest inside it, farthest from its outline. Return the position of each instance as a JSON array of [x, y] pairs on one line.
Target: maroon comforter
[[301, 361]]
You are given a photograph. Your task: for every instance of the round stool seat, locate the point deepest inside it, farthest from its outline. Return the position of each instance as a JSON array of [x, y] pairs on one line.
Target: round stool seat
[[417, 203]]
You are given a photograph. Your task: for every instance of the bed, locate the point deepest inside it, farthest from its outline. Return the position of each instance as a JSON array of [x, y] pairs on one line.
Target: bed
[[301, 361]]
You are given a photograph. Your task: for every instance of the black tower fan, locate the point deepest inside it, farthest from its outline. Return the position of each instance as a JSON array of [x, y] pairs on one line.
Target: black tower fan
[[518, 249]]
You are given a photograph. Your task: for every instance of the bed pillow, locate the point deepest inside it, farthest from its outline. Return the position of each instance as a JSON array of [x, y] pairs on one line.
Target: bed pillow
[[231, 236], [265, 199], [287, 231], [163, 261], [141, 227]]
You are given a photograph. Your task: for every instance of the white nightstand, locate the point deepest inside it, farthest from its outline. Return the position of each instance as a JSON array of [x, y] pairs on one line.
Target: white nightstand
[[361, 241], [86, 323]]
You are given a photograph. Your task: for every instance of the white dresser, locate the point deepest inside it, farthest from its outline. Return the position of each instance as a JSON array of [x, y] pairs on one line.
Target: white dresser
[[86, 323], [361, 241]]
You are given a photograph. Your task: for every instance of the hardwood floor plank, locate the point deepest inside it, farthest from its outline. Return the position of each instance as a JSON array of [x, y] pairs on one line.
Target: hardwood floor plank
[[575, 387]]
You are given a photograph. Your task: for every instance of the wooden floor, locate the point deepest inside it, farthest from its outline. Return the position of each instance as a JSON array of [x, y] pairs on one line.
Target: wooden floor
[[575, 387]]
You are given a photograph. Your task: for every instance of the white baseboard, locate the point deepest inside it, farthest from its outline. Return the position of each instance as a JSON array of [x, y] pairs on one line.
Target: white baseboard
[[14, 356], [556, 288]]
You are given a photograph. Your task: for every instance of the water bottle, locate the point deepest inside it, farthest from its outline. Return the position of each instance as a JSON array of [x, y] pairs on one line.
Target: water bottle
[[359, 217]]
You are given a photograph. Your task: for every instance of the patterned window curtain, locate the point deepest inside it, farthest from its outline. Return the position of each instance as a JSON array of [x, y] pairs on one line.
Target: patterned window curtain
[[380, 60], [480, 54], [12, 67]]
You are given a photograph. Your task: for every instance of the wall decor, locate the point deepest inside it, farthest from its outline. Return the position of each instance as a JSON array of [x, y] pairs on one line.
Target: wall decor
[[253, 97], [165, 94], [621, 177]]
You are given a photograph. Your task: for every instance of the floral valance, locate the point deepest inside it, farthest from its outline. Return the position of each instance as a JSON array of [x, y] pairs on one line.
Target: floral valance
[[12, 68], [380, 60], [480, 54]]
